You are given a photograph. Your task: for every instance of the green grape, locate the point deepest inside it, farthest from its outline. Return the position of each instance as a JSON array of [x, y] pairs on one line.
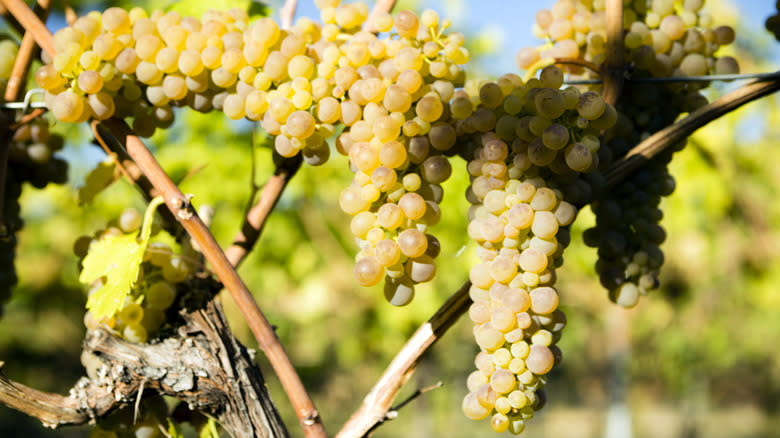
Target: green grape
[[436, 169], [234, 106], [694, 65], [39, 153], [550, 103], [132, 314], [68, 106], [176, 270], [300, 124], [590, 105], [421, 269], [130, 220], [399, 291], [147, 431], [160, 295], [555, 136], [412, 243]]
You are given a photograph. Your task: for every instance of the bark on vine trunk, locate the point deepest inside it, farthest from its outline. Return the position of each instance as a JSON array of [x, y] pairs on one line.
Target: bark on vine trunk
[[202, 364]]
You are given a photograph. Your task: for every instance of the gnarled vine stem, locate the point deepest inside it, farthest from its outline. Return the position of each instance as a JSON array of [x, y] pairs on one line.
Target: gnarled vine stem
[[202, 365], [269, 343]]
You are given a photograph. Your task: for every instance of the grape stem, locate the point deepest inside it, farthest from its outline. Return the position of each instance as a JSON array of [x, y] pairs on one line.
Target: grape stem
[[381, 6], [70, 14], [581, 62], [392, 414], [130, 170], [255, 219], [379, 400], [29, 117], [265, 335], [287, 13], [27, 51], [614, 68], [677, 132]]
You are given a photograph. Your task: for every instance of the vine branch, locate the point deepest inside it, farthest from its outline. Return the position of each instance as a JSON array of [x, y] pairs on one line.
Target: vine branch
[[581, 62], [31, 24], [29, 117], [287, 13], [130, 170], [379, 400], [25, 55], [9, 18], [381, 6], [256, 217], [673, 134]]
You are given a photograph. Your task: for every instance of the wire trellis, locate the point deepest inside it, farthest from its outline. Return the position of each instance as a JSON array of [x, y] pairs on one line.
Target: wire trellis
[[27, 103], [673, 79]]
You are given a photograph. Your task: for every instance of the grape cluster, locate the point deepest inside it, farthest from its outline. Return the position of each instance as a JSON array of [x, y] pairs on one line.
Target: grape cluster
[[161, 275], [661, 38], [526, 144], [127, 64], [773, 22], [521, 235], [389, 93], [627, 234], [398, 136], [546, 132], [31, 159]]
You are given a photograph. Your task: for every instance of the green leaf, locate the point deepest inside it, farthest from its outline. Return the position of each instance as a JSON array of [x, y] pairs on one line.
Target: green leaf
[[209, 430], [98, 180], [118, 259], [173, 430]]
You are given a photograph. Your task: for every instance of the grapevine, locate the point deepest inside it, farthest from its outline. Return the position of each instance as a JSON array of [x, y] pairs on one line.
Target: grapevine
[[30, 159], [661, 39], [397, 101]]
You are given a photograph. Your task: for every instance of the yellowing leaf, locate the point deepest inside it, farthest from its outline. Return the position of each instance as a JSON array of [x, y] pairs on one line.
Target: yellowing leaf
[[118, 259], [97, 180]]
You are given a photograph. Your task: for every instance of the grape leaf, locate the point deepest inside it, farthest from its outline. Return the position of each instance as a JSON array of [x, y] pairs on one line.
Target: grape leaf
[[98, 180], [118, 259]]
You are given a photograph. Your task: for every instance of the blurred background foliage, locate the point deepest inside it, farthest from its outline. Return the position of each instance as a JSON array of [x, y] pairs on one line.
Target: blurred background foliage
[[703, 358]]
